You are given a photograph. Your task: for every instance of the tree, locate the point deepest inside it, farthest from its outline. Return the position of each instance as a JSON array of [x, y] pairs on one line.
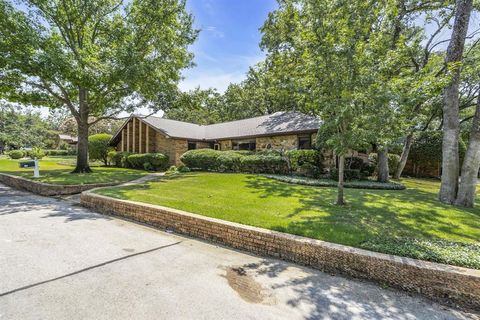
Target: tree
[[99, 146], [337, 49], [450, 158], [96, 58], [197, 106], [22, 128]]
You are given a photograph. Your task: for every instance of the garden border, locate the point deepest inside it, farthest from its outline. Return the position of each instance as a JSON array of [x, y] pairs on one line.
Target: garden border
[[48, 189], [440, 282]]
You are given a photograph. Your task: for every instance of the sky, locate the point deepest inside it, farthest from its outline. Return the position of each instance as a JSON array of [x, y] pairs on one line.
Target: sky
[[228, 43]]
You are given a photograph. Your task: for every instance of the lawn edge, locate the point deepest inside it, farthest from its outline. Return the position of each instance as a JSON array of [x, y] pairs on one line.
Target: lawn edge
[[49, 189], [444, 283]]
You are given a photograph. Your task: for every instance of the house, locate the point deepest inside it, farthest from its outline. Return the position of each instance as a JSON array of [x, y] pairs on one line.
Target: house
[[65, 138], [277, 131]]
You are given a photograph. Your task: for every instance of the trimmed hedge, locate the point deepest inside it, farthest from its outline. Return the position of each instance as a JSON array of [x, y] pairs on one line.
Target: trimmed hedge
[[307, 162], [55, 152], [348, 174], [36, 153], [16, 154], [146, 161]]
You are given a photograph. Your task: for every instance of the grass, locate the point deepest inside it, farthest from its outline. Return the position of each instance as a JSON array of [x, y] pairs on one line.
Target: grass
[[56, 170], [369, 216]]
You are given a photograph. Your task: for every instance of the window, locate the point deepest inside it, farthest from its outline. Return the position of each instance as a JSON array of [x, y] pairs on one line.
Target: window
[[192, 145], [244, 145], [305, 142]]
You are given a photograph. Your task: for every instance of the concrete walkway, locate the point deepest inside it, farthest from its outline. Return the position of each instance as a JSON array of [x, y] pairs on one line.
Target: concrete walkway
[[61, 261]]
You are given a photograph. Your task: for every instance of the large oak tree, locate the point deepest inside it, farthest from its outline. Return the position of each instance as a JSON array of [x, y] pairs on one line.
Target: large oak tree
[[97, 58]]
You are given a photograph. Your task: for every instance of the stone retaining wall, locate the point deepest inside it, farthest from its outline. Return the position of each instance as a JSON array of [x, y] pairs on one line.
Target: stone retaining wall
[[46, 189], [440, 282]]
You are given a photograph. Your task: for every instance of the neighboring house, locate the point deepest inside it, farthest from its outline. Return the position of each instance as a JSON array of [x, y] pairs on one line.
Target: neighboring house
[[278, 131], [68, 139]]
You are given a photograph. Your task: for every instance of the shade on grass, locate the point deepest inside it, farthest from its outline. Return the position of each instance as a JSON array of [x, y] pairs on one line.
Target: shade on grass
[[57, 171], [309, 211]]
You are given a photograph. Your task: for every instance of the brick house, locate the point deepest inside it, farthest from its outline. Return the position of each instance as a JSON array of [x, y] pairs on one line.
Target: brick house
[[281, 130]]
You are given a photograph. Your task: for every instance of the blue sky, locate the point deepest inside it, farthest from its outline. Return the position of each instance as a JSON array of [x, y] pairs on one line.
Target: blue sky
[[228, 42]]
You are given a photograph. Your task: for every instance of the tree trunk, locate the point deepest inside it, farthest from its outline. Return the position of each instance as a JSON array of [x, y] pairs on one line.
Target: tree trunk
[[82, 146], [404, 157], [471, 164], [382, 165], [450, 160], [341, 166]]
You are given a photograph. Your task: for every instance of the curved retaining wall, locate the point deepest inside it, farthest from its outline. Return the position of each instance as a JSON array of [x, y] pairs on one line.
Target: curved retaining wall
[[47, 189], [448, 284]]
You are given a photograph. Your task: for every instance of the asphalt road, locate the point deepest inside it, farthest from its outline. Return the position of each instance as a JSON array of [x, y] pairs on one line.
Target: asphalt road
[[61, 261]]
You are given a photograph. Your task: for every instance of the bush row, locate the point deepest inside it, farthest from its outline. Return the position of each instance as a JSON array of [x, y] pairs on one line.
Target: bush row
[[38, 153], [146, 161], [307, 162]]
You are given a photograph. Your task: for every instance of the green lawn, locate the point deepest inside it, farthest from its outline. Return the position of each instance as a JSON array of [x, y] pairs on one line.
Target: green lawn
[[57, 170], [408, 222]]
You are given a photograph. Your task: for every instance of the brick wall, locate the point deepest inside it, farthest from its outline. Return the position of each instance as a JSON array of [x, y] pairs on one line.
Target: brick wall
[[445, 283], [46, 189]]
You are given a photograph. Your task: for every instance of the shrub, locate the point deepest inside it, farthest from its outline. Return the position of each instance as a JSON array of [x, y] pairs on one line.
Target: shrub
[[348, 174], [183, 168], [118, 159], [229, 161], [16, 154], [55, 152], [36, 153], [153, 161], [264, 163], [305, 162], [202, 159], [99, 146]]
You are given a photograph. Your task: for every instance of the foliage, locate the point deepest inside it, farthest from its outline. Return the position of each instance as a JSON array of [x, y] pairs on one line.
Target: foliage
[[264, 163], [95, 58], [36, 153], [363, 184], [99, 146], [22, 128], [118, 159], [427, 148], [442, 251], [305, 162], [201, 159], [55, 152], [16, 154], [309, 211], [147, 161], [348, 174]]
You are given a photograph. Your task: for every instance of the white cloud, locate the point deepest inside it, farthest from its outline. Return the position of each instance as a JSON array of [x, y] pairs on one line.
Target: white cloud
[[214, 31]]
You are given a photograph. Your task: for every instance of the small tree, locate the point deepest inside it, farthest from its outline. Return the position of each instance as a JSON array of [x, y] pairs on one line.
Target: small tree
[[99, 146]]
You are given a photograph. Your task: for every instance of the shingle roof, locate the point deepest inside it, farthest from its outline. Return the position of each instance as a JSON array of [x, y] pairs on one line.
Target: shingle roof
[[273, 124]]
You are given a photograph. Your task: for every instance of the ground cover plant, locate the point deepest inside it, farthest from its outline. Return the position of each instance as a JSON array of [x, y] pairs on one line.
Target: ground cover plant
[[413, 214], [56, 170]]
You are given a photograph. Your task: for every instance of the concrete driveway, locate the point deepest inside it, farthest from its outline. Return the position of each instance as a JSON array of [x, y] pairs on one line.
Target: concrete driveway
[[60, 261]]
